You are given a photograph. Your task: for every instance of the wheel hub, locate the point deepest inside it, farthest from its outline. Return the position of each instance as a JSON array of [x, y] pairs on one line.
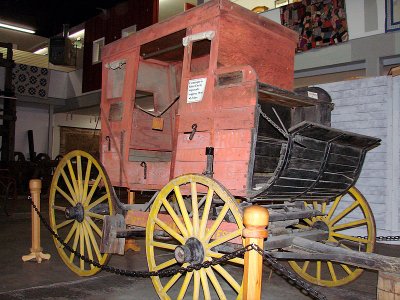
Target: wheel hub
[[321, 225], [76, 213], [192, 252]]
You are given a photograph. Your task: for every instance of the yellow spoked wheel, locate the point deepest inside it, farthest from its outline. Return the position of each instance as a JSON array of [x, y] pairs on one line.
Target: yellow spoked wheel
[[193, 235], [79, 199], [347, 218]]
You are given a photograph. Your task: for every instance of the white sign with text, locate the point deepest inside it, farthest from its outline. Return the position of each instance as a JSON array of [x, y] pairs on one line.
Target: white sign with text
[[196, 88]]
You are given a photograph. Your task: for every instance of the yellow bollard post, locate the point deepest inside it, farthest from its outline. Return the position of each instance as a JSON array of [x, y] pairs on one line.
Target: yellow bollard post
[[255, 220], [35, 185]]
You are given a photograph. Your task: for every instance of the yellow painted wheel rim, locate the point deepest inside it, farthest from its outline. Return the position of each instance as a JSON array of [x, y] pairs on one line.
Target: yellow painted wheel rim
[[212, 283], [350, 211], [79, 180]]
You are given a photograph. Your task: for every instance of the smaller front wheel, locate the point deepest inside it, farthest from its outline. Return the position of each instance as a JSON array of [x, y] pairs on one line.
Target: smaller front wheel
[[79, 199], [193, 231]]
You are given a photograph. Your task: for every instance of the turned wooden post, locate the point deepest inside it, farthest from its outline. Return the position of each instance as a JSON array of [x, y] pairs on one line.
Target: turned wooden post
[[35, 185], [255, 220]]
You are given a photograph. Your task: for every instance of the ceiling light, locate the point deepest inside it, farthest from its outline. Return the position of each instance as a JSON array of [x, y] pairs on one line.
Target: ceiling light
[[78, 34], [17, 28], [42, 51]]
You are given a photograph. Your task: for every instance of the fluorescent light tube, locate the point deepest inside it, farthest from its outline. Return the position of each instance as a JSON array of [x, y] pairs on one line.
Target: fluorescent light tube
[[77, 34], [16, 28]]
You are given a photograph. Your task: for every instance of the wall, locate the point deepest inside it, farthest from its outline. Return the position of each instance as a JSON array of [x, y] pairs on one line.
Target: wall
[[40, 127], [369, 49], [63, 119], [143, 13], [370, 106], [65, 85], [360, 15]]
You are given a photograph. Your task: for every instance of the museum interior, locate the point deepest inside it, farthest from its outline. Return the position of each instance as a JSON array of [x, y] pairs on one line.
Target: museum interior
[[194, 149]]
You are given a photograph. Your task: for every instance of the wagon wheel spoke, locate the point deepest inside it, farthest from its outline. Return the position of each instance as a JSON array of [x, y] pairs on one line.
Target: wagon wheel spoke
[[97, 202], [70, 202], [196, 284], [94, 242], [185, 285], [204, 283], [60, 208], [68, 184], [86, 181], [215, 283], [175, 217], [66, 196], [216, 223], [206, 211], [93, 189], [63, 224], [346, 213], [225, 238], [183, 210], [94, 226], [166, 264], [195, 209], [228, 277], [193, 228], [88, 244], [163, 245], [94, 215], [170, 231], [332, 271], [73, 179], [71, 232]]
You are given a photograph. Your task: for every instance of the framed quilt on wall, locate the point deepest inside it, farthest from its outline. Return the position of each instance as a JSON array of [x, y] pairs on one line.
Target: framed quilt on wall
[[319, 22], [392, 21]]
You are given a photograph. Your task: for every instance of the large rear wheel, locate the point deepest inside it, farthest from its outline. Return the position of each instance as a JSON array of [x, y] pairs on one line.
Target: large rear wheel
[[79, 199], [351, 225]]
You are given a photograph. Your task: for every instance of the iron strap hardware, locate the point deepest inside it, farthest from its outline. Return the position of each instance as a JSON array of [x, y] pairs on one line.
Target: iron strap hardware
[[276, 126], [281, 270]]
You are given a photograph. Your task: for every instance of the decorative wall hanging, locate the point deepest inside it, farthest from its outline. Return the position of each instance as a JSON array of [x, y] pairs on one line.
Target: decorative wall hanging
[[30, 81], [392, 21], [318, 22]]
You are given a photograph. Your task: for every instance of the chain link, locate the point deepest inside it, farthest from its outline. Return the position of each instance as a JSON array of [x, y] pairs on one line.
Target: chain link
[[281, 270], [144, 274], [389, 238], [291, 277]]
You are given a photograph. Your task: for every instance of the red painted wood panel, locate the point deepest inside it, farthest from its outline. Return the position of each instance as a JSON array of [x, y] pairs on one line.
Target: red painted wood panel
[[144, 137], [157, 173], [233, 138], [200, 140], [268, 52]]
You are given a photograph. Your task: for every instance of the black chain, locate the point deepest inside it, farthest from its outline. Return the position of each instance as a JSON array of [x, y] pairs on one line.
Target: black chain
[[281, 270], [382, 237], [144, 274], [291, 277]]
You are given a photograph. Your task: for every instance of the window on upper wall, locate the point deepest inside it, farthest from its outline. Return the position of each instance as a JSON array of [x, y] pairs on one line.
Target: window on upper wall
[[97, 48], [128, 31]]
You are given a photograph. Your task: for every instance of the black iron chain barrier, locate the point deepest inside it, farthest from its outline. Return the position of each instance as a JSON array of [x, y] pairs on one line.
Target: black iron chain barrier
[[388, 238], [281, 270]]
